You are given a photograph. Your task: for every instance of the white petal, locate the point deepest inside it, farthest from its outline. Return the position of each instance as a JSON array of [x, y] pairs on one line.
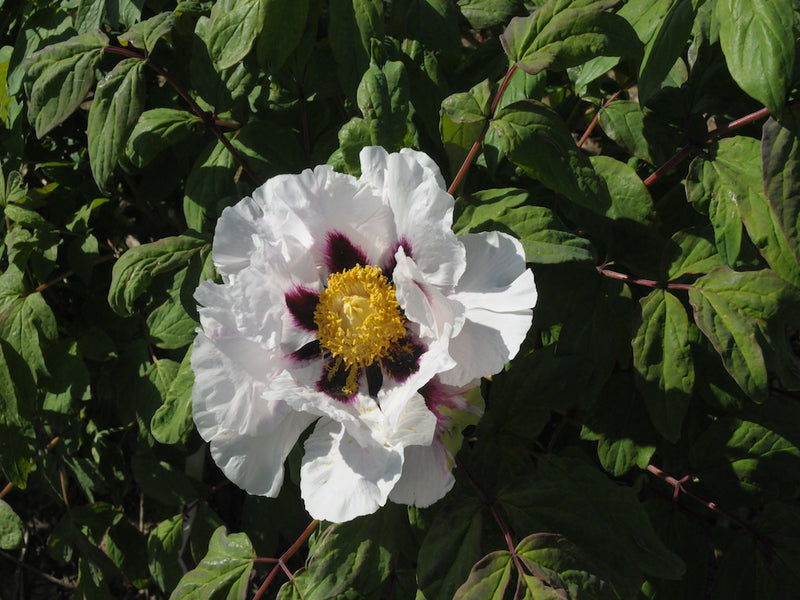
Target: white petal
[[426, 476], [255, 462], [340, 479], [233, 236], [498, 292], [423, 303]]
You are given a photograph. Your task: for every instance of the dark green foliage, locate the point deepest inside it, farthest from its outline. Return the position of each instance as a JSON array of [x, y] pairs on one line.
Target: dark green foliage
[[644, 442]]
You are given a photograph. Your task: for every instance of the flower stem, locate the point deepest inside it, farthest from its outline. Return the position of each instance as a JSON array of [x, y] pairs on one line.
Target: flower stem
[[645, 282], [281, 562], [596, 118], [208, 119], [473, 152], [709, 137]]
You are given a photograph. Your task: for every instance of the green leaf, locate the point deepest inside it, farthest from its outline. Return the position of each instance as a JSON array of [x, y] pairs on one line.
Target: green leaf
[[172, 324], [463, 117], [662, 358], [745, 463], [163, 481], [759, 47], [602, 518], [732, 309], [210, 186], [353, 136], [284, 24], [721, 186], [62, 74], [27, 323], [488, 579], [224, 571], [691, 252], [146, 34], [537, 140], [565, 33], [772, 219], [352, 24], [17, 387], [126, 546], [11, 527], [558, 565], [544, 237], [232, 30], [383, 99], [640, 131], [135, 269], [486, 14], [665, 45], [356, 555], [156, 130], [163, 552], [172, 421], [485, 206], [117, 104], [450, 548], [619, 423]]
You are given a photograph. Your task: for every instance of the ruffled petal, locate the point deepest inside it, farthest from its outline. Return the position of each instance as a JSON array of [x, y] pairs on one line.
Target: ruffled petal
[[498, 293], [341, 479], [427, 476]]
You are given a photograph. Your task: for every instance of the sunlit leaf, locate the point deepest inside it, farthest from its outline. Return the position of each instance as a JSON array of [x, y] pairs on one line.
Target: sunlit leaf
[[223, 572]]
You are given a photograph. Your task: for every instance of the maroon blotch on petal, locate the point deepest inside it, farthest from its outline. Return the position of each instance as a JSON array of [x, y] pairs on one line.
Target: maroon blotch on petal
[[341, 254], [334, 381], [308, 352], [402, 359], [392, 263], [302, 303], [374, 379]]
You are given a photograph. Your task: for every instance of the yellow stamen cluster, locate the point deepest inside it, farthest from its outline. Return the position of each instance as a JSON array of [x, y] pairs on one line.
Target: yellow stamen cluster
[[358, 319]]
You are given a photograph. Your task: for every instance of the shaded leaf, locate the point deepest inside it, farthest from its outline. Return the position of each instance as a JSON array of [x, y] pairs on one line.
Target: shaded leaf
[[11, 527], [450, 548], [157, 129], [662, 358], [603, 519], [488, 579], [163, 549], [691, 252], [759, 47], [732, 310]]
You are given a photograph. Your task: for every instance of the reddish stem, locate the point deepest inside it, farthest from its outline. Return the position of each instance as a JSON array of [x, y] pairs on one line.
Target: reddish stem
[[596, 118], [281, 562], [645, 282], [680, 488], [473, 152], [709, 137]]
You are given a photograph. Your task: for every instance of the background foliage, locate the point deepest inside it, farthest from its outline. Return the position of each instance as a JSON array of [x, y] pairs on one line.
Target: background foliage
[[644, 444]]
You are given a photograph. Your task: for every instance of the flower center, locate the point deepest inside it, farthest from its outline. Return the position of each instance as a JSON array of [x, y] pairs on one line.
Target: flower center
[[358, 319]]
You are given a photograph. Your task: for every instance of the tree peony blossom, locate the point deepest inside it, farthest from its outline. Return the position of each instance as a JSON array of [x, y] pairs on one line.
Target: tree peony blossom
[[350, 304]]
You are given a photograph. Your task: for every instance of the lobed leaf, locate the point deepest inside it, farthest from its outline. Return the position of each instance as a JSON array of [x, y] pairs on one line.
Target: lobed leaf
[[562, 34], [488, 579], [118, 102], [732, 309], [163, 552], [224, 571], [536, 139], [172, 422], [12, 528], [662, 358]]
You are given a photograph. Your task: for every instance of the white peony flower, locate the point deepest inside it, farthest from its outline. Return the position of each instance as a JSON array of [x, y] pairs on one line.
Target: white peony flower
[[350, 303]]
